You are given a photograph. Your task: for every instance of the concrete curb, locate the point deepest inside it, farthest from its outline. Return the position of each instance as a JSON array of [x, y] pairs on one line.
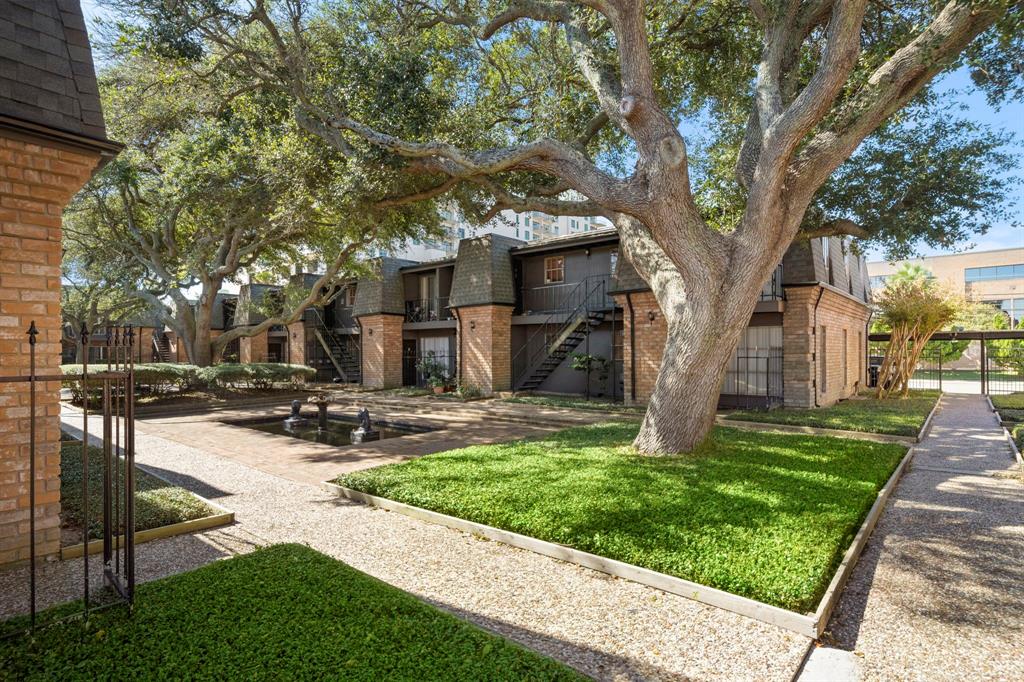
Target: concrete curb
[[808, 625], [96, 546]]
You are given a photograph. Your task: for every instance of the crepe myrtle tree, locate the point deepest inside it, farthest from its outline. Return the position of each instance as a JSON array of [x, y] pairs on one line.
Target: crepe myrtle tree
[[574, 107], [215, 184]]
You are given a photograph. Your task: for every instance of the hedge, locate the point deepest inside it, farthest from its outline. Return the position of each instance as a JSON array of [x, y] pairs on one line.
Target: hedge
[[256, 374], [161, 377]]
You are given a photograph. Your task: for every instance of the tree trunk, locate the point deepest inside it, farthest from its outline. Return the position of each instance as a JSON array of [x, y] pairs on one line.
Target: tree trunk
[[682, 407]]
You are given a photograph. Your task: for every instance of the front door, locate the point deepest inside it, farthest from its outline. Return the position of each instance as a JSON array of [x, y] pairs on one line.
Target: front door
[[408, 362]]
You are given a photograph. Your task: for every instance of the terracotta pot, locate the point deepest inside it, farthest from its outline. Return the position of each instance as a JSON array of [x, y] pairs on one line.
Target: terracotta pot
[[438, 390]]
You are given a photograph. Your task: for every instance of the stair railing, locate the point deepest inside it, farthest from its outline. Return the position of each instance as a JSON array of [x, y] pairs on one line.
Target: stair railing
[[586, 296], [328, 339]]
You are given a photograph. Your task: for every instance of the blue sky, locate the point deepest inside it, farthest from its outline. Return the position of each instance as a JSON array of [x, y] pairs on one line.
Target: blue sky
[[958, 86]]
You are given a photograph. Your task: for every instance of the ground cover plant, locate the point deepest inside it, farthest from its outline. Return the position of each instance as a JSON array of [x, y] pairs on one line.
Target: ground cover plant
[[157, 503], [766, 516], [891, 416], [573, 403], [284, 611], [1010, 406]]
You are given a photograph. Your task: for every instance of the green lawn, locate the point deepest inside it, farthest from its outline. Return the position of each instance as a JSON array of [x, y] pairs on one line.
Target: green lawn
[[578, 404], [893, 416], [1010, 406], [766, 516], [283, 612], [157, 503]]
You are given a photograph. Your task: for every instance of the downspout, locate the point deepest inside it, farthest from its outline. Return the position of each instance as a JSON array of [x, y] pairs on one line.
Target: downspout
[[458, 359], [632, 348], [362, 353], [814, 333]]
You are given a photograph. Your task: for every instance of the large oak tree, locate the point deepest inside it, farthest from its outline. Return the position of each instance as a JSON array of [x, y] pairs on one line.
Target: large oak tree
[[517, 102]]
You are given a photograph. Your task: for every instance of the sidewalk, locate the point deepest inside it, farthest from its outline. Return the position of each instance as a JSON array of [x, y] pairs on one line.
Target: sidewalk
[[939, 592]]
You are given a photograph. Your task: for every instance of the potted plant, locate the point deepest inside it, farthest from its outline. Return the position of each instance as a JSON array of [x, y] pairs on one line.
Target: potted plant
[[435, 373]]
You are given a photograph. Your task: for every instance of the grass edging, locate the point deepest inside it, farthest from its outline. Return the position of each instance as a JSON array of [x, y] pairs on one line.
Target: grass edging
[[181, 528], [808, 625], [837, 433], [1013, 447]]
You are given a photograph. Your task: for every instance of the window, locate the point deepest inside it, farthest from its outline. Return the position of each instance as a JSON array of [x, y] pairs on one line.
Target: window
[[613, 260], [823, 361], [554, 269], [994, 272], [844, 357], [1014, 309], [462, 233], [878, 282], [527, 235], [517, 233], [826, 257]]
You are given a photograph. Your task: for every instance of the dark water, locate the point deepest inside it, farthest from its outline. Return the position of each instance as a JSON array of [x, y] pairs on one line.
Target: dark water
[[337, 432]]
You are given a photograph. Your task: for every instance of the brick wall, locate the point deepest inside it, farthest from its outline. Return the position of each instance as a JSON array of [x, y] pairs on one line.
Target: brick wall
[[649, 336], [143, 351], [485, 347], [36, 182], [823, 356], [381, 337], [253, 348], [297, 343]]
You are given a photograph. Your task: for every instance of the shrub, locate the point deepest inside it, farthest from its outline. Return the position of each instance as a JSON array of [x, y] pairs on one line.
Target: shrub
[[157, 377], [257, 374]]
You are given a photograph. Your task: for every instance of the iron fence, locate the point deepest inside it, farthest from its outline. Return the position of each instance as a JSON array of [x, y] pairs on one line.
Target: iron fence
[[112, 383], [753, 379], [772, 290], [1003, 360], [418, 367]]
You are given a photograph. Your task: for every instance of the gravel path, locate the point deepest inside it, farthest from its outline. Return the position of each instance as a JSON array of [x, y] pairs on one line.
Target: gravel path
[[939, 592], [605, 627]]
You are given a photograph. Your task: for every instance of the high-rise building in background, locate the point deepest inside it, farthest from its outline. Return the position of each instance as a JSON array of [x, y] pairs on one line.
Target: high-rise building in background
[[529, 226]]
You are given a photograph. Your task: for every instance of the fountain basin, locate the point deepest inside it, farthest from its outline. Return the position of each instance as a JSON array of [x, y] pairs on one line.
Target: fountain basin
[[337, 432]]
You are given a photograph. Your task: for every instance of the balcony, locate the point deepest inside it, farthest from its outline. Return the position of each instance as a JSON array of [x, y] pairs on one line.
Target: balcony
[[772, 290], [563, 297], [428, 310]]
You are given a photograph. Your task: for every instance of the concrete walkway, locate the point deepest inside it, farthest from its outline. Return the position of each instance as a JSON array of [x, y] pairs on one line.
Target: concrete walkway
[[939, 592]]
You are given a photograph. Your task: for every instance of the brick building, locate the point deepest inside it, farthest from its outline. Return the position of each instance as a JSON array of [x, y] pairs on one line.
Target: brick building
[[504, 314], [52, 138]]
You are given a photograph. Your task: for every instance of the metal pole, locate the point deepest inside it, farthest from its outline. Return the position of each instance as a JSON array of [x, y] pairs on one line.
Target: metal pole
[[107, 463], [85, 464], [32, 333], [129, 475]]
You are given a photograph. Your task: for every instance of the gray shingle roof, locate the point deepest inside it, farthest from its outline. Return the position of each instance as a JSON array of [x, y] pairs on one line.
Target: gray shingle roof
[[626, 278], [46, 69], [384, 292], [483, 272]]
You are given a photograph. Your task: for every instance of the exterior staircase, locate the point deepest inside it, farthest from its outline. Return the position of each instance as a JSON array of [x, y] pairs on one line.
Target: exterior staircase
[[561, 333], [574, 332], [345, 363], [161, 348]]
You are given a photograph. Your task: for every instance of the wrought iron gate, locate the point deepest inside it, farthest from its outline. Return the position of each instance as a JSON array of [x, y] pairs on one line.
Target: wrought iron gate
[[109, 387], [995, 361]]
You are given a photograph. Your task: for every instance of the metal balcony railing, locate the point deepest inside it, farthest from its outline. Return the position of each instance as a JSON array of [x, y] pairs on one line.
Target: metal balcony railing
[[772, 290], [428, 310], [555, 298]]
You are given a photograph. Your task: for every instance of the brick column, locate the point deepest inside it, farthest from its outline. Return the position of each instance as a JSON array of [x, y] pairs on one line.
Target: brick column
[[297, 343], [798, 341], [253, 348], [649, 336], [382, 350], [36, 182], [485, 347]]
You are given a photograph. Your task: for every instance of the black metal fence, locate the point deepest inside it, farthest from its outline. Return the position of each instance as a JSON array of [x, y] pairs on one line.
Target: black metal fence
[[111, 383], [753, 379], [418, 367], [989, 362]]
